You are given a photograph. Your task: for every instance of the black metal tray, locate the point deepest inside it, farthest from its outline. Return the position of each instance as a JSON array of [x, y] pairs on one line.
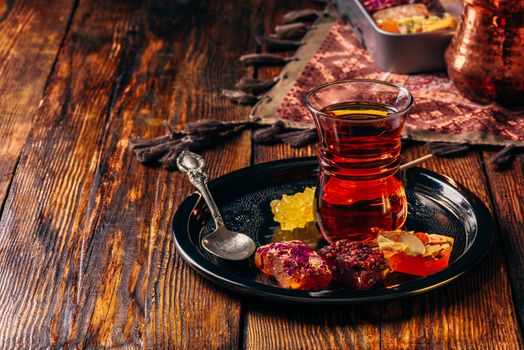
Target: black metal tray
[[436, 204]]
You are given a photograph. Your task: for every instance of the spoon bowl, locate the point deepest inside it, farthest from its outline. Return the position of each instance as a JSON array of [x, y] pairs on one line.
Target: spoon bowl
[[228, 244]]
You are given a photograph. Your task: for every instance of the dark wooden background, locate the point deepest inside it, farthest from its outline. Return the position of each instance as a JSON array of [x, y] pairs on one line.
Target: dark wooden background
[[86, 255]]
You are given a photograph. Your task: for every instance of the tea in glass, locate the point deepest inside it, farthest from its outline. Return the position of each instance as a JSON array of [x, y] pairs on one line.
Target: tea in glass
[[359, 123]]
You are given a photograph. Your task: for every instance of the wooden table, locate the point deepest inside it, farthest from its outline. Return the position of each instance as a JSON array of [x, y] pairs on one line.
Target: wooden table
[[86, 254]]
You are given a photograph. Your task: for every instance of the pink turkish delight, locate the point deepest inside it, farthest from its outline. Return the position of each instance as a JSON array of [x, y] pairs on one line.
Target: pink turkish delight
[[294, 265]]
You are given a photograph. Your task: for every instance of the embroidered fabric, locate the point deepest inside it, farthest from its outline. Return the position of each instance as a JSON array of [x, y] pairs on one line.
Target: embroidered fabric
[[439, 113]]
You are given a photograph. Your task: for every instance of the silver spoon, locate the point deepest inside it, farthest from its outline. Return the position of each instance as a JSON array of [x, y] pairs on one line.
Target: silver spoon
[[221, 242]]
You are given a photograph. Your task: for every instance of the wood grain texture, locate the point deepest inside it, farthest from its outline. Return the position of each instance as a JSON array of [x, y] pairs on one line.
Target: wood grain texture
[[278, 326], [181, 310], [474, 312], [507, 189], [85, 244], [281, 326], [46, 221], [86, 255], [31, 33]]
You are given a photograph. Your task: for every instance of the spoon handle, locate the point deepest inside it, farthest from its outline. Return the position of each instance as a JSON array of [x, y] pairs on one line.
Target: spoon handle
[[199, 179], [415, 162]]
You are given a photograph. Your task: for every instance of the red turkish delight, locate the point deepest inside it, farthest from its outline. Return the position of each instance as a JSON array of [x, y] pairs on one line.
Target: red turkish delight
[[355, 264]]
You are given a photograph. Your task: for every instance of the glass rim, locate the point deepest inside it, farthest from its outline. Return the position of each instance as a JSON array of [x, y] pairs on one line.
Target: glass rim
[[374, 81]]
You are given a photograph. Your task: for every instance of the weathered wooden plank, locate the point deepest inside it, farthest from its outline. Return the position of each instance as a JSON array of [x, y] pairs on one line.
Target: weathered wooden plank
[[31, 35], [457, 316], [279, 326], [276, 326], [85, 244], [46, 214], [180, 310], [474, 312], [507, 190]]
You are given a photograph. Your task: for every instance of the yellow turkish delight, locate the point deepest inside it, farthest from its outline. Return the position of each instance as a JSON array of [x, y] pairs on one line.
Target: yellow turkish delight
[[294, 211]]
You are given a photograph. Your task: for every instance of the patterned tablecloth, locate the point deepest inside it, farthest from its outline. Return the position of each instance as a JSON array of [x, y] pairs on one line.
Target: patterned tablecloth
[[439, 113]]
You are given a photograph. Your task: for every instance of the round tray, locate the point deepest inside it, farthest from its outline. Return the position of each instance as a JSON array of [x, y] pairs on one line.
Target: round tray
[[436, 204]]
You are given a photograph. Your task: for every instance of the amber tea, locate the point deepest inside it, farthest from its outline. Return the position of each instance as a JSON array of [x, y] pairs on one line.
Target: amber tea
[[359, 190]]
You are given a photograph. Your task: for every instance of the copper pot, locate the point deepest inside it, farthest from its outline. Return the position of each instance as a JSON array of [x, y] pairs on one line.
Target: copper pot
[[485, 59]]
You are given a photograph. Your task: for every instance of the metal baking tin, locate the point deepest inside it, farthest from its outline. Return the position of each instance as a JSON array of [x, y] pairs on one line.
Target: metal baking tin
[[400, 53]]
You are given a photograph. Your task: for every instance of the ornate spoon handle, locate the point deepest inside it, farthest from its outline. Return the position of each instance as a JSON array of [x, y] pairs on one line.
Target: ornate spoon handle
[[192, 164]]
